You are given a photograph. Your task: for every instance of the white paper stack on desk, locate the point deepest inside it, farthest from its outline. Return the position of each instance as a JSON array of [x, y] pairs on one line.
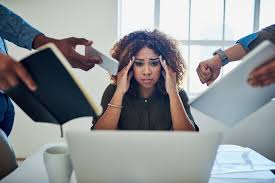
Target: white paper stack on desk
[[234, 161]]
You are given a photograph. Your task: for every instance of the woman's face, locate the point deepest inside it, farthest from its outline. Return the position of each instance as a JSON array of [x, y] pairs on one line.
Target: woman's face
[[147, 68]]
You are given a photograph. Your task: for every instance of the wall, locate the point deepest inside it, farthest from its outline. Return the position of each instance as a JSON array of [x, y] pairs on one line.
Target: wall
[[92, 19]]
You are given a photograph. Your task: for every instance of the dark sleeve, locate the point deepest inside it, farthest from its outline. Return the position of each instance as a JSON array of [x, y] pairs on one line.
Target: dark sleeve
[[105, 100], [267, 33], [184, 99]]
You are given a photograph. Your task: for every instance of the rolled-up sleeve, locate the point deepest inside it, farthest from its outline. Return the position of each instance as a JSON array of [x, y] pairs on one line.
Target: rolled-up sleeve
[[245, 41], [16, 30], [252, 40]]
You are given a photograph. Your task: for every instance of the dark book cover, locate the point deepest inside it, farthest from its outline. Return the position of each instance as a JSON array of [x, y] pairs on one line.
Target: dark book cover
[[59, 97]]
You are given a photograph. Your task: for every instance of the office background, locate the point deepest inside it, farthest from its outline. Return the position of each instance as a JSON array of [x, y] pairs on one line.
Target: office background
[[202, 27]]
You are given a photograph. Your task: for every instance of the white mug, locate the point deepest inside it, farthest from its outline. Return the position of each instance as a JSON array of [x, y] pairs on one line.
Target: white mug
[[58, 164]]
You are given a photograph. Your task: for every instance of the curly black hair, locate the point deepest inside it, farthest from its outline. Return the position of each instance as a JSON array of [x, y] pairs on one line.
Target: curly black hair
[[160, 43]]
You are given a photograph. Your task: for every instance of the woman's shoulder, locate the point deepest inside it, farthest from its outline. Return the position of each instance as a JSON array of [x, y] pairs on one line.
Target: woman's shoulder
[[183, 95], [182, 92], [110, 90], [111, 87]]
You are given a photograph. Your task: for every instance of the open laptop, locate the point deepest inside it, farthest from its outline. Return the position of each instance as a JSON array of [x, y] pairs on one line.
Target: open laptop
[[142, 156], [232, 99]]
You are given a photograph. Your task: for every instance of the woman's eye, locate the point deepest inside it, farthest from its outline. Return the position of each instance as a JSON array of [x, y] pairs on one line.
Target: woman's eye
[[154, 64], [138, 64]]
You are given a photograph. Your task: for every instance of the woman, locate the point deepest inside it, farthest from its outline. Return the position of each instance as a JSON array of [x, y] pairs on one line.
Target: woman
[[146, 93]]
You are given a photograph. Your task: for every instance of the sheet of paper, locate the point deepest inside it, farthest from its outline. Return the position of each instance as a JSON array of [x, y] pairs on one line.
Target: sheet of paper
[[109, 63], [233, 159], [266, 174]]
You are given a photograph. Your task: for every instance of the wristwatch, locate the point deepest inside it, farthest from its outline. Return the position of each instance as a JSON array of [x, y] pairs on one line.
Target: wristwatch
[[222, 55]]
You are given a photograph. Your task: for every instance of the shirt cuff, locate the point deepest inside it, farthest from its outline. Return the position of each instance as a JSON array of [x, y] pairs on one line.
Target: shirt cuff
[[27, 38], [245, 41]]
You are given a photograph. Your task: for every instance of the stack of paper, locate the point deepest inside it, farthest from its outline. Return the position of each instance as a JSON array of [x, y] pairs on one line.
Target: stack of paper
[[241, 162]]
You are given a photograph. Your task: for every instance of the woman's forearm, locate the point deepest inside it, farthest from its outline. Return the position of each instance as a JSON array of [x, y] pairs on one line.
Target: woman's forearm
[[180, 119], [109, 120]]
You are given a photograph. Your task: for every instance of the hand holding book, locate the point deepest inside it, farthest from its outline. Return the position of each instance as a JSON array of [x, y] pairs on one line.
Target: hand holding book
[[11, 72], [59, 96]]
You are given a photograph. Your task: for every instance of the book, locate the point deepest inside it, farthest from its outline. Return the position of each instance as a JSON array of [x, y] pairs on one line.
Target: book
[[59, 97], [231, 99], [109, 64]]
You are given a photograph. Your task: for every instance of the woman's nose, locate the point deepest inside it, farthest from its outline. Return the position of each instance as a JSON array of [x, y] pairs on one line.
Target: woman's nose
[[146, 70]]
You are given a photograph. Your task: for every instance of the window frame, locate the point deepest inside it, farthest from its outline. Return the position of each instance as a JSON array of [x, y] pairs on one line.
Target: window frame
[[189, 42]]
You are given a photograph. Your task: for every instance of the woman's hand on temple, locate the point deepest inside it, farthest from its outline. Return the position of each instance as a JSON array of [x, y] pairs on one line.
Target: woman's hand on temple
[[170, 78], [124, 78]]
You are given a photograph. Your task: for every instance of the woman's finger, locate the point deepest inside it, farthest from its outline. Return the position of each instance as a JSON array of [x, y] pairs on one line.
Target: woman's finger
[[164, 74], [128, 67], [130, 75], [162, 62]]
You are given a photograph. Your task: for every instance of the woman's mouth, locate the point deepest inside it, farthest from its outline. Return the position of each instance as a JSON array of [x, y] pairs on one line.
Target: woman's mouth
[[147, 80]]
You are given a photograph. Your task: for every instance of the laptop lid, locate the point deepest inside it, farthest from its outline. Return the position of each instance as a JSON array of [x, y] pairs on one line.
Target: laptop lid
[[231, 99], [142, 156]]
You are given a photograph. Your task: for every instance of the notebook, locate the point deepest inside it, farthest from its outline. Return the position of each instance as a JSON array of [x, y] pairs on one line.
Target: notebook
[[59, 97]]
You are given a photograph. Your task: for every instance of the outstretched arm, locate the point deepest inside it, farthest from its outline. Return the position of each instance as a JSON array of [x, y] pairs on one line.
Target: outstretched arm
[[209, 70]]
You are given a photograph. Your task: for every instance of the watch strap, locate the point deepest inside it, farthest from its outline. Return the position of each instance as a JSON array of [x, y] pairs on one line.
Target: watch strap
[[222, 55]]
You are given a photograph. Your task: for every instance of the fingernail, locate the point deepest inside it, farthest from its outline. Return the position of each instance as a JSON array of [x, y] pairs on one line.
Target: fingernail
[[251, 76], [95, 60], [250, 82], [267, 82], [254, 84], [33, 87], [89, 43]]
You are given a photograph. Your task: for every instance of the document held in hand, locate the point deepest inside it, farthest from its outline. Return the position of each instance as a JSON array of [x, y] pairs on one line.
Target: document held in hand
[[109, 63], [59, 96], [231, 99]]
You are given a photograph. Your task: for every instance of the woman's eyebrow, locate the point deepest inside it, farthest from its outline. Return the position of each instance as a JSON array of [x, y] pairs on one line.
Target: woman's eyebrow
[[139, 59], [157, 58]]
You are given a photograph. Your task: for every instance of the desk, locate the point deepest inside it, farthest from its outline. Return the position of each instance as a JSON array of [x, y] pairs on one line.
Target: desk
[[32, 170]]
